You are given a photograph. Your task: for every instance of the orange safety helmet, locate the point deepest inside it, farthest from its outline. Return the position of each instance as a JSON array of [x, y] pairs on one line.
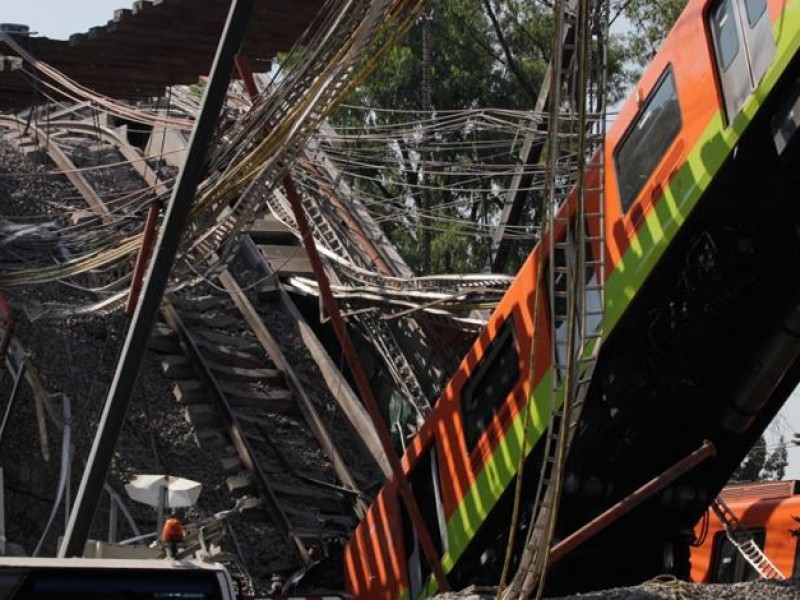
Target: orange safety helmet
[[172, 532]]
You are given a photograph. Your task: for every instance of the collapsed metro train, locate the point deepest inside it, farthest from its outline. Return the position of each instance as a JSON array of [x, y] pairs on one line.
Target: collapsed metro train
[[701, 329]]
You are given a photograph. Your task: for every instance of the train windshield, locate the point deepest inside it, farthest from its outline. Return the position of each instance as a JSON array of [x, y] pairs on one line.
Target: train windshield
[[648, 139]]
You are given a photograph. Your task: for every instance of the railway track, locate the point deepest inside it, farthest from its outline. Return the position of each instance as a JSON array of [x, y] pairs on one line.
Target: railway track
[[238, 381], [246, 415]]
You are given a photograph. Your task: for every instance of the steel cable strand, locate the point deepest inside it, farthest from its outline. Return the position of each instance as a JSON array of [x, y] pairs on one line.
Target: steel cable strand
[[293, 133]]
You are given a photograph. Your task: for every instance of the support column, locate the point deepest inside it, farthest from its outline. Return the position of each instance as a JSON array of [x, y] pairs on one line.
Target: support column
[[144, 317]]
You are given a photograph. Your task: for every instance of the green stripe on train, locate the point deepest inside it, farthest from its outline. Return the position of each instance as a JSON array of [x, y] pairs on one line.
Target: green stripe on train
[[691, 181], [660, 227]]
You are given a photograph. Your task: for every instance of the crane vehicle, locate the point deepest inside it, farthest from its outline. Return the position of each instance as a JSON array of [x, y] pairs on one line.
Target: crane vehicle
[[701, 328]]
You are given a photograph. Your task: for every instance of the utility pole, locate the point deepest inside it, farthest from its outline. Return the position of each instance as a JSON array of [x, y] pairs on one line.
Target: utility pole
[[425, 203], [130, 360]]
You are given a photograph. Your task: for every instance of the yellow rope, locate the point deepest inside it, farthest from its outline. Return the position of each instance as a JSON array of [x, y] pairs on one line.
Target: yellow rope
[[674, 586]]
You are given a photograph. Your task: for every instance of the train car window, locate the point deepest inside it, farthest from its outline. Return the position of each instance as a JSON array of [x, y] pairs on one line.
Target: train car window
[[754, 9], [426, 487], [490, 383], [726, 33], [728, 564], [414, 557], [648, 139]]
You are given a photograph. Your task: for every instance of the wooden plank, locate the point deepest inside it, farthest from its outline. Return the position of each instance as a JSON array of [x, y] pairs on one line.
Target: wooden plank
[[299, 493], [237, 436], [338, 385], [294, 266], [215, 320], [305, 403], [257, 374], [67, 166], [278, 252], [286, 260], [215, 337], [229, 356], [271, 231]]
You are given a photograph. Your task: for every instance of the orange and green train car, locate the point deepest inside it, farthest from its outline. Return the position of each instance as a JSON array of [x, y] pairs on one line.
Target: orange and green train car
[[701, 329], [770, 512]]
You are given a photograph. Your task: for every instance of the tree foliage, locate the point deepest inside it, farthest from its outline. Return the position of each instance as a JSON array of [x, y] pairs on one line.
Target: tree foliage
[[482, 53], [648, 23], [760, 465]]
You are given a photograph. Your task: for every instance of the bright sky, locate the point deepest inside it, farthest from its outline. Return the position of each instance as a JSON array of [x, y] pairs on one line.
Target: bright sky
[[59, 19]]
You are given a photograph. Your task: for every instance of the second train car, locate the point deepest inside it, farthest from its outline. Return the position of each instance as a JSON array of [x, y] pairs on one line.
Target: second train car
[[701, 329], [770, 512]]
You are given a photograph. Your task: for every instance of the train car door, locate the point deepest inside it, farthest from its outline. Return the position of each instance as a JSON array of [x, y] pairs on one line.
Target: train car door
[[426, 487], [758, 36], [743, 47]]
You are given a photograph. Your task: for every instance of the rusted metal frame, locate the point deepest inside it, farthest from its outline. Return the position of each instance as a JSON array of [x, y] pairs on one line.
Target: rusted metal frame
[[132, 354], [389, 254], [627, 504], [237, 435], [246, 74], [362, 384], [355, 227], [305, 403], [143, 257], [337, 384]]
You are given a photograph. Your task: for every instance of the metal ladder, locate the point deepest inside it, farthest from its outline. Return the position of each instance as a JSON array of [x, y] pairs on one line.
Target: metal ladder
[[377, 331], [573, 277], [744, 542], [399, 367]]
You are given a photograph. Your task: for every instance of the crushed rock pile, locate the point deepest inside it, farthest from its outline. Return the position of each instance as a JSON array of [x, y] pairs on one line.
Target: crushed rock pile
[[668, 588]]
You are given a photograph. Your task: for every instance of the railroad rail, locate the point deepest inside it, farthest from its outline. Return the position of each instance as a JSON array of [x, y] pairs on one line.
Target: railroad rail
[[249, 406], [238, 395]]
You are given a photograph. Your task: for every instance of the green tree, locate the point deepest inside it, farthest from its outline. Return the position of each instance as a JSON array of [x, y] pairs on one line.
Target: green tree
[[750, 469], [648, 23], [463, 55], [776, 463], [761, 465]]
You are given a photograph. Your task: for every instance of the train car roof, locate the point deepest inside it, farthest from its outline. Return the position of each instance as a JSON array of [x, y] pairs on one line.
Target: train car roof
[[759, 490]]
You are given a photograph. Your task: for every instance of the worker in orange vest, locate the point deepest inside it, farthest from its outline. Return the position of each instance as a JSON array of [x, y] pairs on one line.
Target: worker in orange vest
[[172, 534]]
